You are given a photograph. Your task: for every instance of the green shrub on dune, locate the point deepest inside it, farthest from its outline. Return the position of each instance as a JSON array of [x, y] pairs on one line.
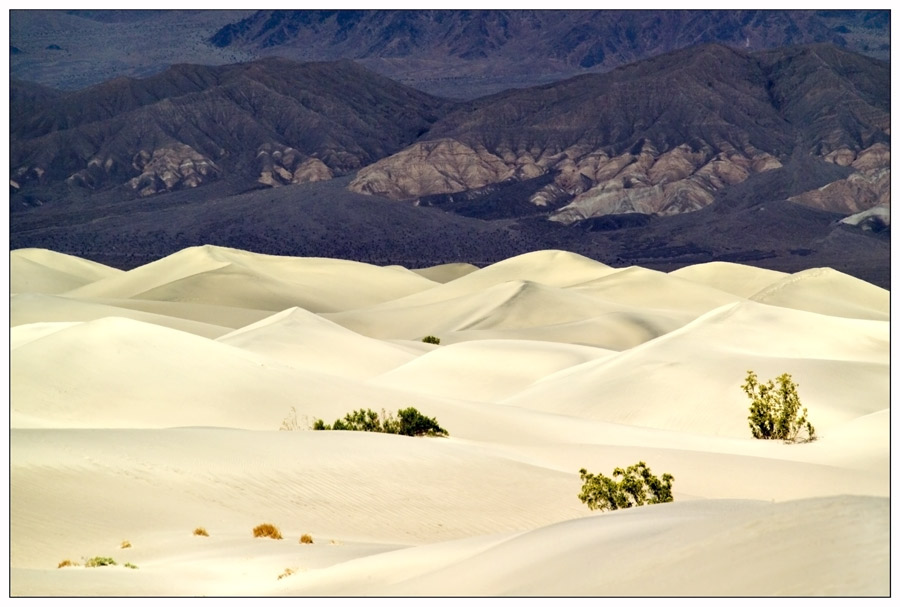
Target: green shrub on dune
[[409, 422]]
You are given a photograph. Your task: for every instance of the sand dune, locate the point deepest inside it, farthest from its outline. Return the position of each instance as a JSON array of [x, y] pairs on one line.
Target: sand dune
[[469, 371], [586, 557], [28, 308], [216, 275], [146, 403], [828, 291], [446, 272], [744, 281], [834, 360], [304, 340], [44, 271]]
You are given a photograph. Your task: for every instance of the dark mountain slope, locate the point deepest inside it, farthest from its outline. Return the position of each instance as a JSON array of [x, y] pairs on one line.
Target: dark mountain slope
[[480, 43], [273, 121], [663, 135]]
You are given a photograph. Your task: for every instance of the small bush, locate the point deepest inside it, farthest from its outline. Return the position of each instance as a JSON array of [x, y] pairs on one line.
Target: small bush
[[67, 563], [125, 544], [413, 423], [775, 413], [290, 422], [431, 339], [637, 487], [306, 539], [201, 531], [409, 423], [131, 565], [267, 530], [286, 573], [100, 561]]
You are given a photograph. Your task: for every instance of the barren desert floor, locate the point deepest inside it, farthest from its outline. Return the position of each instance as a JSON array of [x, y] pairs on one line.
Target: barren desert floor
[[179, 395]]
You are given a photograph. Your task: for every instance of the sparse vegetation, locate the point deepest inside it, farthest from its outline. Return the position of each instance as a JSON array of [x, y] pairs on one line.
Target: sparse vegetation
[[267, 530], [775, 412], [291, 422], [306, 539], [431, 339], [409, 422], [201, 531], [637, 486], [67, 563], [131, 565], [286, 573], [125, 544], [100, 561]]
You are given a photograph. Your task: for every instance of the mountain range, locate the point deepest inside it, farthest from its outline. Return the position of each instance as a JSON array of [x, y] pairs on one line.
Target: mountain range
[[630, 150]]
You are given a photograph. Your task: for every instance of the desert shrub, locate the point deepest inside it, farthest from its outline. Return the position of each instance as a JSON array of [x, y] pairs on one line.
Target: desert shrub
[[100, 561], [290, 421], [431, 339], [360, 421], [410, 422], [637, 486], [775, 411], [306, 539], [413, 423], [125, 544], [130, 565], [287, 571], [267, 530], [201, 531], [67, 563]]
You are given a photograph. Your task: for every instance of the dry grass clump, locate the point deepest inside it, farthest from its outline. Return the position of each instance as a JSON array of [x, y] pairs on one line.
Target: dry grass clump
[[286, 573], [125, 544], [267, 530], [306, 539], [100, 561], [131, 565], [67, 563], [201, 531]]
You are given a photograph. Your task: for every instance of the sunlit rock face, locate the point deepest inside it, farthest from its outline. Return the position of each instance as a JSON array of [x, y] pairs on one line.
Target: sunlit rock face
[[282, 165], [170, 168], [433, 167], [867, 188]]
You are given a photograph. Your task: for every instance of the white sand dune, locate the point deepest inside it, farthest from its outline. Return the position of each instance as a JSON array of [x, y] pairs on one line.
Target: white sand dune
[[117, 372], [307, 341], [834, 360], [28, 308], [743, 556], [446, 272], [221, 276], [639, 287], [828, 291], [147, 403], [744, 281], [44, 271], [469, 371]]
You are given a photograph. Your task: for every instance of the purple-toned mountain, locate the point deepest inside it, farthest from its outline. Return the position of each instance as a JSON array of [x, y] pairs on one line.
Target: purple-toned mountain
[[448, 51], [271, 122], [660, 136], [138, 168]]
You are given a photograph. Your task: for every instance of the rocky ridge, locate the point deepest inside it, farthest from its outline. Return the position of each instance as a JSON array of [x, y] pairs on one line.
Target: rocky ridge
[[662, 137]]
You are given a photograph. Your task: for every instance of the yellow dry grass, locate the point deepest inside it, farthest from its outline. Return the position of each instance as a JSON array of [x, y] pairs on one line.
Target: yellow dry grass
[[306, 539], [201, 531], [267, 530]]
